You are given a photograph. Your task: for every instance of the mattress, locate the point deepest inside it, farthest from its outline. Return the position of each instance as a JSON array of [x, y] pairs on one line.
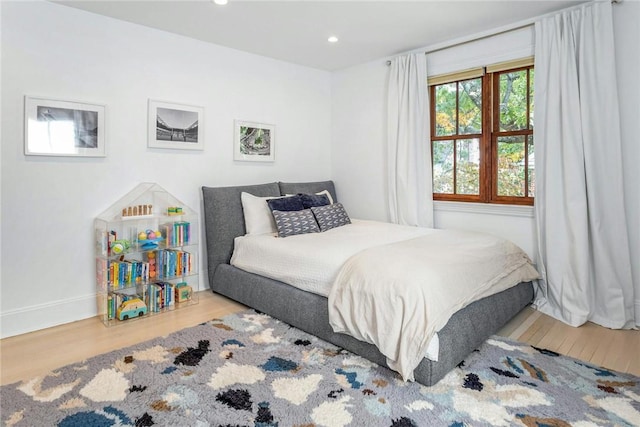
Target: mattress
[[311, 262]]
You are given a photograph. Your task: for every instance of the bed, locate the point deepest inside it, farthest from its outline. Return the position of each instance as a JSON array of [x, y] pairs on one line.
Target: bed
[[224, 221]]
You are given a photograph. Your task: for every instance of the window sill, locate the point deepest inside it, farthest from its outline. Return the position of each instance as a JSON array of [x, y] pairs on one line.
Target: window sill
[[484, 208]]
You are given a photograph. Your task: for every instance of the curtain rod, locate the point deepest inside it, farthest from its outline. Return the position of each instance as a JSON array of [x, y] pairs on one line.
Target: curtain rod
[[496, 32]]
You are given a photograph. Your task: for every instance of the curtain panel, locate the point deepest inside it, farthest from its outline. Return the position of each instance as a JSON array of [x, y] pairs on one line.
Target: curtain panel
[[583, 248], [408, 142]]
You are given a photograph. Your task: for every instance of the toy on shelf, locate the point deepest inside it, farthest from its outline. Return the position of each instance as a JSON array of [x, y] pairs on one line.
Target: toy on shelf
[[174, 210], [138, 210], [130, 308], [119, 246], [149, 239], [183, 292]]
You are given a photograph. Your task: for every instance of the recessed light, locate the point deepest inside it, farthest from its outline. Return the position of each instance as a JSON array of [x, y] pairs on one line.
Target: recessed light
[[332, 39], [220, 2]]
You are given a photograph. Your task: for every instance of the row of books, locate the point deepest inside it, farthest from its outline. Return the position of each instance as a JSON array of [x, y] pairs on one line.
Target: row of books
[[166, 263], [160, 295], [126, 273], [114, 275], [176, 233], [159, 264]]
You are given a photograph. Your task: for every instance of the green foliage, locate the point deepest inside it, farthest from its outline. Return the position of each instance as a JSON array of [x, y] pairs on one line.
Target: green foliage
[[467, 120], [513, 101]]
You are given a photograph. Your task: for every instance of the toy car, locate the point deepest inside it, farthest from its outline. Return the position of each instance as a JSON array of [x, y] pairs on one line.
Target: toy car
[[131, 308]]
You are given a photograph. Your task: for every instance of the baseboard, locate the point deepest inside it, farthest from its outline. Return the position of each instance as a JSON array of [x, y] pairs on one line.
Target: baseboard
[[41, 316]]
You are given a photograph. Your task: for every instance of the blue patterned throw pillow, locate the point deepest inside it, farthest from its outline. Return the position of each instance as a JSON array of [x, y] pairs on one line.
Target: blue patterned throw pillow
[[331, 216], [286, 204], [313, 200], [295, 222]]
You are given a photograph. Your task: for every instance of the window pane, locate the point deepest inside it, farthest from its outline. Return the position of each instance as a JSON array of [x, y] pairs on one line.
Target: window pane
[[443, 167], [513, 101], [532, 169], [511, 166], [446, 109], [470, 107], [531, 98], [468, 166]]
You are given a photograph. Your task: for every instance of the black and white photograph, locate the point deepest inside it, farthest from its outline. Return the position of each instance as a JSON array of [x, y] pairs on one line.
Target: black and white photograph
[[63, 128], [175, 126], [254, 141]]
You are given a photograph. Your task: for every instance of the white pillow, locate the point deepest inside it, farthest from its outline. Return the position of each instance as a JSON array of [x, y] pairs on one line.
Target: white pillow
[[325, 192], [258, 218]]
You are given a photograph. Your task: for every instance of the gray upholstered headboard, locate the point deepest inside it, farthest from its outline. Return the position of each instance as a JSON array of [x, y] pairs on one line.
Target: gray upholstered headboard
[[224, 218]]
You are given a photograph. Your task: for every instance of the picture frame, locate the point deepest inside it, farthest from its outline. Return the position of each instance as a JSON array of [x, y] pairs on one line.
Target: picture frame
[[254, 142], [54, 127], [175, 126]]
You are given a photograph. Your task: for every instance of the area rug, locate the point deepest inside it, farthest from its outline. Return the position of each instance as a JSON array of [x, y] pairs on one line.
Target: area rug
[[248, 369]]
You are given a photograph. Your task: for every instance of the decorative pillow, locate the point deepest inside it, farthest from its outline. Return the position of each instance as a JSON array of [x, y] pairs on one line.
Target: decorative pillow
[[295, 222], [257, 215], [323, 192], [286, 204], [313, 200], [331, 216]]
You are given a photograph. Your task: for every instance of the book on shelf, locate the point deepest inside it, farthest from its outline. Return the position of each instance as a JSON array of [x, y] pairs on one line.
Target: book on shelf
[[160, 295], [167, 263], [126, 273], [177, 233]]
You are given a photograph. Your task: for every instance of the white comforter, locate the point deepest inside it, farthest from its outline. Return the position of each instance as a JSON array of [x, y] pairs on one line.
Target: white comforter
[[396, 296]]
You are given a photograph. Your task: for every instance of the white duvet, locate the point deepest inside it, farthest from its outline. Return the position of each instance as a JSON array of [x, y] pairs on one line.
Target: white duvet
[[396, 296]]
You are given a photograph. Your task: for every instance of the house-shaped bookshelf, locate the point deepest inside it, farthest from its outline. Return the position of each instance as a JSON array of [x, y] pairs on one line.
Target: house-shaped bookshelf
[[146, 247]]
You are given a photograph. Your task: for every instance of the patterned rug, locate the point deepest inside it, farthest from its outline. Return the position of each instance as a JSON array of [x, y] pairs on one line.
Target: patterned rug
[[251, 370]]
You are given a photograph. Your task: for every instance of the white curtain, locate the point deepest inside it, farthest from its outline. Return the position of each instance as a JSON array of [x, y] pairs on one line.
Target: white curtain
[[409, 150], [583, 249]]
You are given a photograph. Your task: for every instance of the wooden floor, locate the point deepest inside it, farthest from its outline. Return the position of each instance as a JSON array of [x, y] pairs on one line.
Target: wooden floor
[[36, 353]]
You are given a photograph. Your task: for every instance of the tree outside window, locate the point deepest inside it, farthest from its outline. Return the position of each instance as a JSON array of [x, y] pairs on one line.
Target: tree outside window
[[482, 138]]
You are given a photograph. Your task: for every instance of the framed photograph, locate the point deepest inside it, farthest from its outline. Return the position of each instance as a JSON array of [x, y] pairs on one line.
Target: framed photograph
[[63, 128], [254, 142], [175, 126]]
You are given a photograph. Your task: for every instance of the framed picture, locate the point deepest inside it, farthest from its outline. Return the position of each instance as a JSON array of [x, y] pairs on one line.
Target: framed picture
[[63, 128], [175, 126], [254, 142]]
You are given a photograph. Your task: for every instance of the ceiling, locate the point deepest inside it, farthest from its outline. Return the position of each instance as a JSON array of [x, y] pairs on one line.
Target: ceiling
[[297, 31]]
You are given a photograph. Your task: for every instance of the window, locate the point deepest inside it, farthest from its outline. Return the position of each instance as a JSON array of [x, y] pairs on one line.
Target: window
[[482, 135]]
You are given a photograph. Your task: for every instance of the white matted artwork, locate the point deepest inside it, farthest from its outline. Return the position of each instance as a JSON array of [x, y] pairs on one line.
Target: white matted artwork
[[55, 127], [254, 142], [176, 126]]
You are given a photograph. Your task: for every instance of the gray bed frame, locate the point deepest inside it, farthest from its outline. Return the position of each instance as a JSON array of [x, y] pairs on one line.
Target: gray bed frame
[[224, 221]]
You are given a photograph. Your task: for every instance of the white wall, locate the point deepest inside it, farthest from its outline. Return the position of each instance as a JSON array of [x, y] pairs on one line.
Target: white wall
[[359, 134], [48, 203]]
